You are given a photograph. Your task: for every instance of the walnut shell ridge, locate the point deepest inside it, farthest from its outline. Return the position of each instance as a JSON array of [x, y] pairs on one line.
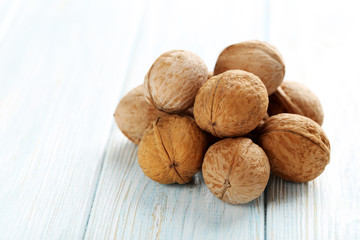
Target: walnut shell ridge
[[231, 104], [297, 147], [173, 80], [172, 149], [294, 97], [134, 114], [236, 170], [257, 57]]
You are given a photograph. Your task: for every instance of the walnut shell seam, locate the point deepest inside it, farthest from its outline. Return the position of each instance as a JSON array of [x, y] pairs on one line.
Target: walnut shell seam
[[172, 162], [227, 183], [321, 145], [284, 99]]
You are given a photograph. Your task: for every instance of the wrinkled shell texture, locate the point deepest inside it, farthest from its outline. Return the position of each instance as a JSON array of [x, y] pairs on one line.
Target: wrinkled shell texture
[[173, 80], [172, 150], [231, 104], [134, 114], [293, 97], [297, 147], [259, 58], [236, 170]]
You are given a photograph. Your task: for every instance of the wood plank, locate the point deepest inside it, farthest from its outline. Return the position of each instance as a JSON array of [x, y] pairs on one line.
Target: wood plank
[[61, 65], [321, 50], [129, 205]]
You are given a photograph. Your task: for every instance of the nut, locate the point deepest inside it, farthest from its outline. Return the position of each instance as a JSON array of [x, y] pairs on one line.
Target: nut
[[172, 149], [236, 170], [173, 80], [293, 97], [231, 104], [259, 58], [297, 147], [134, 114]]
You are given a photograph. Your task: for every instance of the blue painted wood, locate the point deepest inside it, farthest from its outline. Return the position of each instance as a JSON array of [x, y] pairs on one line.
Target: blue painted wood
[[321, 50], [129, 205], [60, 65]]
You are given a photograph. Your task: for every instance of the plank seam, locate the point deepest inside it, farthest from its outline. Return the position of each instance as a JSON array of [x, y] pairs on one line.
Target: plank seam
[[265, 215], [98, 179], [132, 58]]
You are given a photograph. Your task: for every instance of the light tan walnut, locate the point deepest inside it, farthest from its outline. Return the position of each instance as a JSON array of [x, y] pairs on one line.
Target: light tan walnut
[[231, 104], [294, 97], [236, 170], [134, 114], [173, 80], [257, 57], [297, 147], [172, 149]]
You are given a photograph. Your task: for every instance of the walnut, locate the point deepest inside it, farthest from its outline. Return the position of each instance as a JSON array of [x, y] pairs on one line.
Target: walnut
[[259, 58], [231, 104], [172, 149], [297, 147], [236, 170], [293, 97], [173, 80], [134, 114]]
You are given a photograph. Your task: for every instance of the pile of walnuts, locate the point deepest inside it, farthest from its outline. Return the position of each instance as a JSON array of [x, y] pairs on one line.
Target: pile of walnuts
[[235, 125]]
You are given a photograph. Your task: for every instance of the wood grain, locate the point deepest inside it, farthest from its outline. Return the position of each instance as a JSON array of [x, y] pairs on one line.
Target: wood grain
[[61, 65], [128, 205], [321, 50]]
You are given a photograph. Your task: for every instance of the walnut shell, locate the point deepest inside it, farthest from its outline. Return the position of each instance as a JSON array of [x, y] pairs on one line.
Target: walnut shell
[[294, 97], [172, 149], [297, 147], [236, 170], [134, 114], [231, 104], [173, 80], [259, 58]]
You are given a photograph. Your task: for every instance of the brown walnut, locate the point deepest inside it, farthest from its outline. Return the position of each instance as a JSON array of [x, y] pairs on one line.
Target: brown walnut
[[231, 104], [236, 170], [173, 80], [294, 97], [134, 114], [297, 147], [257, 57], [172, 149]]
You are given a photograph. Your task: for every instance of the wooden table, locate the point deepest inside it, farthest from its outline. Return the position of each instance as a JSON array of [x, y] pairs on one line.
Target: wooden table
[[66, 171]]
